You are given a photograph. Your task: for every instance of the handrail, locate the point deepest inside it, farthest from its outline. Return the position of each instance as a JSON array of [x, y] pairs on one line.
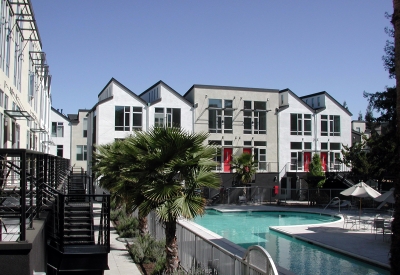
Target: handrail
[[330, 203]]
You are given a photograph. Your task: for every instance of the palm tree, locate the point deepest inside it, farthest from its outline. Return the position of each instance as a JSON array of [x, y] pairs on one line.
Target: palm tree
[[111, 163], [172, 167], [245, 168]]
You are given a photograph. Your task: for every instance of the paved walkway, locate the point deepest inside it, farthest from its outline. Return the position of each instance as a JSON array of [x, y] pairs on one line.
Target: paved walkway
[[119, 260]]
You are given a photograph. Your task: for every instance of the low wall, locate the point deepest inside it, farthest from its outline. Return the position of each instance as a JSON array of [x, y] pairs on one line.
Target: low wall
[[22, 258]]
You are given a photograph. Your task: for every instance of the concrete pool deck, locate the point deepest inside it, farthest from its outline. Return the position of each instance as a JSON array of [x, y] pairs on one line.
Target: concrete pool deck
[[355, 242]]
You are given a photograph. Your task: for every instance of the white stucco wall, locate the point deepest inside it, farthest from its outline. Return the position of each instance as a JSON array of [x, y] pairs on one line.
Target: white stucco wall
[[65, 141], [105, 117], [169, 99]]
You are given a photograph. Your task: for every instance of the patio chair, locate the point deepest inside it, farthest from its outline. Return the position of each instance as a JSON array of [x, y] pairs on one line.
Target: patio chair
[[347, 220], [380, 226], [343, 204]]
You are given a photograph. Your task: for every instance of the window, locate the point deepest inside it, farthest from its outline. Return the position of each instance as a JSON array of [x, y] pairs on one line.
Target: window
[[215, 115], [228, 143], [296, 161], [1, 97], [81, 152], [334, 160], [307, 145], [84, 126], [136, 118], [307, 125], [324, 125], [260, 117], [159, 117], [218, 155], [324, 146], [318, 101], [228, 117], [295, 124], [296, 157], [260, 154], [122, 114], [57, 129], [60, 150], [334, 146], [281, 99], [5, 102], [247, 116], [334, 125], [173, 117]]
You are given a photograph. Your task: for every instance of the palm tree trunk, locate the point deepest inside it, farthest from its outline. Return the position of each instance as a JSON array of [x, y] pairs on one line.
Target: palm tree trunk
[[395, 244], [171, 247], [143, 225]]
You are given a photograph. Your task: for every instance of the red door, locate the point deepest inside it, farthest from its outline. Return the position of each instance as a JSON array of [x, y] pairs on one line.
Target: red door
[[307, 160], [247, 150], [324, 159], [227, 159]]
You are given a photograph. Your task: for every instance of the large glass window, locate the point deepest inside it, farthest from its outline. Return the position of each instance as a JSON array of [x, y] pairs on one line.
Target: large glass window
[[295, 124], [260, 154], [159, 117], [218, 153], [247, 116], [324, 125], [81, 152], [57, 129], [296, 157], [215, 115], [122, 114], [260, 117], [307, 125], [173, 117], [228, 116], [334, 125], [84, 126], [136, 118]]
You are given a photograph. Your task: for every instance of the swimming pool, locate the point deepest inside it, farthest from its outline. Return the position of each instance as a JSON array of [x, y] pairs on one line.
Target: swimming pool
[[302, 258]]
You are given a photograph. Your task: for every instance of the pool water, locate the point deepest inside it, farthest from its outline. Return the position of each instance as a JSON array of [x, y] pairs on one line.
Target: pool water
[[301, 258]]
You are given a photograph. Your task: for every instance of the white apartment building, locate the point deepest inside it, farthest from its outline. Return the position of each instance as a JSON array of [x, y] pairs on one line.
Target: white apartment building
[[24, 80], [60, 134], [312, 124]]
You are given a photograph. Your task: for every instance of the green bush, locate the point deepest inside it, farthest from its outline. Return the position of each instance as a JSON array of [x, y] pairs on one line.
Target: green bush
[[147, 249], [159, 266], [127, 224], [117, 214]]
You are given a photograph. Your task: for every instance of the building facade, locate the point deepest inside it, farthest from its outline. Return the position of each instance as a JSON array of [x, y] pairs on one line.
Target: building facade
[[25, 80], [79, 141], [60, 134], [312, 124]]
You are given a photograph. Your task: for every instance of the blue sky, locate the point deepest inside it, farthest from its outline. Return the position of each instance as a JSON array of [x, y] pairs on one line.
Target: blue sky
[[307, 46]]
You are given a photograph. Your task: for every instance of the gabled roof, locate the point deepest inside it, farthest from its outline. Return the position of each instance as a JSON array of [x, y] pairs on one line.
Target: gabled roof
[[170, 89], [59, 113], [328, 95], [116, 82], [230, 88], [298, 99]]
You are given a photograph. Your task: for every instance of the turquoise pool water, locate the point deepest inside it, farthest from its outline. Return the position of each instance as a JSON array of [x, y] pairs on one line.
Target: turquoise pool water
[[302, 258]]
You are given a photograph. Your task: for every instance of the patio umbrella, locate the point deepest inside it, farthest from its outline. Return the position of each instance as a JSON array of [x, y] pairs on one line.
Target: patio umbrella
[[361, 190], [386, 197]]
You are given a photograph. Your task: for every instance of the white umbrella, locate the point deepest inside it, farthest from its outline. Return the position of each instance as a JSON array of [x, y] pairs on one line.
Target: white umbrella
[[361, 190], [386, 197]]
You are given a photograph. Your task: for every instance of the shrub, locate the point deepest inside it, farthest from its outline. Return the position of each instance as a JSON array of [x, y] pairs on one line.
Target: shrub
[[127, 224], [147, 249]]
